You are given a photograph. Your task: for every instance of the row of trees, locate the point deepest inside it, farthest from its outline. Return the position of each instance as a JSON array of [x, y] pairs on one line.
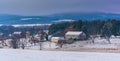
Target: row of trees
[[6, 30], [97, 27]]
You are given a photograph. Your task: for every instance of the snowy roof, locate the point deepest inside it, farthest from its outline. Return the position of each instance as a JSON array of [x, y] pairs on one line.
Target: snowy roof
[[17, 33], [57, 38], [74, 32]]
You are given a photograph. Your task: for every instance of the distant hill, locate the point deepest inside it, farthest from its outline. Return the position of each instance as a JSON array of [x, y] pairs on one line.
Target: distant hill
[[16, 19], [87, 16]]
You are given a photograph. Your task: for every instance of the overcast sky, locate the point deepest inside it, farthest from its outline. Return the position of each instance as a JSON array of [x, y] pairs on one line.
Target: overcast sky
[[47, 7]]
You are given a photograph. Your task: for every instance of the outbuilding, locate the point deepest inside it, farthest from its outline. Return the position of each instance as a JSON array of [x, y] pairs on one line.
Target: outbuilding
[[56, 39]]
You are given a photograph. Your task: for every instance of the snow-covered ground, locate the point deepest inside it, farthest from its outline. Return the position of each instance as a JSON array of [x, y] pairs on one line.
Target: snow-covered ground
[[31, 55], [102, 43], [99, 43], [34, 54]]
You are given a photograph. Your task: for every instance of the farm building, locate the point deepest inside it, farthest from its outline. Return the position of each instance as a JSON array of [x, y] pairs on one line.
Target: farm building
[[75, 35], [56, 39]]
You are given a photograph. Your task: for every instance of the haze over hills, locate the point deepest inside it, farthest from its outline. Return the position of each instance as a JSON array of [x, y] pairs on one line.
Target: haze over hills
[[49, 19]]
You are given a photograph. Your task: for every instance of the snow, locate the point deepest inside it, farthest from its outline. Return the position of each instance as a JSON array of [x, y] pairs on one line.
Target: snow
[[20, 25], [26, 18], [74, 33], [48, 45], [32, 55], [57, 38], [102, 43], [29, 18], [45, 46], [64, 20], [99, 43]]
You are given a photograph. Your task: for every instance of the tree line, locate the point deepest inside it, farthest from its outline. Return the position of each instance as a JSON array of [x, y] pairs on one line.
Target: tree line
[[6, 30], [95, 27]]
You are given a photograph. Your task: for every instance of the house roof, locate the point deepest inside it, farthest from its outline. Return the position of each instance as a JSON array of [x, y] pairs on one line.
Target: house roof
[[74, 32]]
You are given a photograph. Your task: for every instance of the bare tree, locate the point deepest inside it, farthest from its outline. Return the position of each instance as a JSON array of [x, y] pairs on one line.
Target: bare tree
[[41, 35], [106, 31], [93, 38], [25, 37], [60, 43], [15, 42], [92, 30]]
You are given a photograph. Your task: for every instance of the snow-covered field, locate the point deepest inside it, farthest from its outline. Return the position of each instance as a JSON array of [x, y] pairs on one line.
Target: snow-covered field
[[99, 43], [31, 55], [62, 54]]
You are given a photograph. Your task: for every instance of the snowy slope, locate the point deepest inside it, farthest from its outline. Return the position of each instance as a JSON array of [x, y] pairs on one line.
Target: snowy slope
[[31, 55]]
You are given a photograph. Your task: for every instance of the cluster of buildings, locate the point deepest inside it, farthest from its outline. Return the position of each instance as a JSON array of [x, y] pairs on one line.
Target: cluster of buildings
[[55, 38], [70, 35]]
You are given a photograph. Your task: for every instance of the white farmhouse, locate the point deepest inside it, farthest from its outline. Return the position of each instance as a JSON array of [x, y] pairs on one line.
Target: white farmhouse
[[75, 35]]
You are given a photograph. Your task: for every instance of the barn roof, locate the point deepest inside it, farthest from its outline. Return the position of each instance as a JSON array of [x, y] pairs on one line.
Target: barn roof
[[74, 32]]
